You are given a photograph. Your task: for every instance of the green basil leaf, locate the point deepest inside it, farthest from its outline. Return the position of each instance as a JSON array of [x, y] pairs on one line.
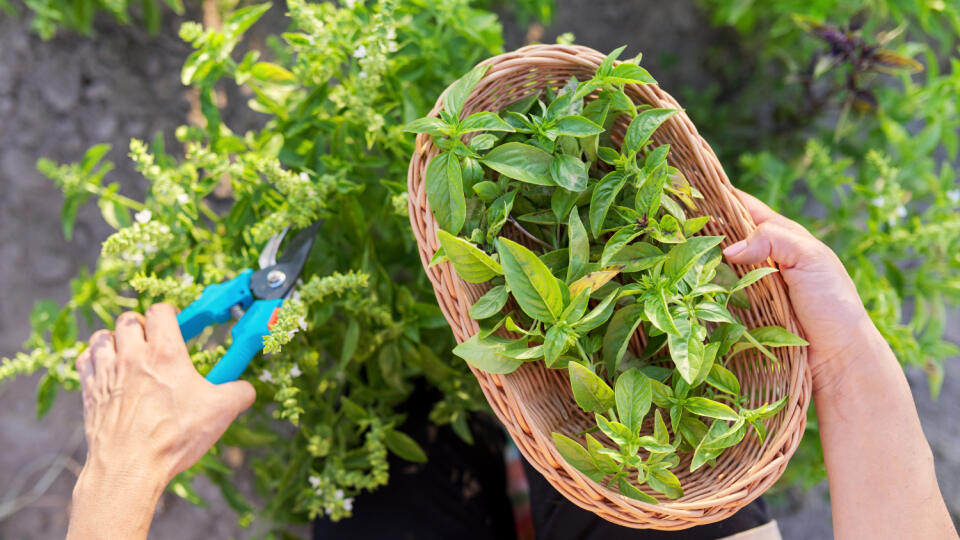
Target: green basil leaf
[[472, 173], [622, 326], [660, 432], [767, 410], [46, 395], [594, 280], [606, 67], [530, 353], [521, 162], [555, 343], [484, 121], [618, 241], [760, 428], [637, 256], [713, 312], [566, 104], [629, 490], [686, 349], [692, 430], [650, 443], [608, 155], [665, 482], [709, 358], [536, 290], [486, 190], [490, 303], [445, 192], [752, 276], [562, 202], [579, 247], [482, 142], [540, 217], [682, 257], [491, 354], [577, 126], [713, 409], [114, 214], [471, 264], [662, 394], [657, 309], [404, 446], [599, 314], [730, 436], [643, 126], [591, 392], [569, 172], [577, 456], [520, 122], [693, 225], [633, 396], [431, 124], [777, 336], [727, 335], [63, 334], [627, 73], [674, 209], [457, 93], [602, 197], [603, 461], [724, 380], [704, 452], [650, 194], [617, 432], [657, 158], [497, 214]]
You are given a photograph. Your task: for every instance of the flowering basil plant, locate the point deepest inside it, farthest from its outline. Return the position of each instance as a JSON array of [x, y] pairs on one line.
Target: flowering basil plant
[[604, 247], [364, 330]]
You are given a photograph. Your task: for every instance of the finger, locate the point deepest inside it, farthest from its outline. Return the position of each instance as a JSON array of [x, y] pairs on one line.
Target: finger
[[85, 372], [84, 363], [773, 240], [161, 325], [236, 396], [129, 334], [104, 351]]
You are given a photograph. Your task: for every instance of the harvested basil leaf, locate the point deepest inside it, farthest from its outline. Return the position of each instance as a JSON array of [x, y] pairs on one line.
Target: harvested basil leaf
[[491, 303]]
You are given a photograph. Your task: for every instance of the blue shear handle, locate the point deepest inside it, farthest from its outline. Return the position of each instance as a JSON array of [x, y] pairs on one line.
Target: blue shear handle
[[213, 306], [248, 336]]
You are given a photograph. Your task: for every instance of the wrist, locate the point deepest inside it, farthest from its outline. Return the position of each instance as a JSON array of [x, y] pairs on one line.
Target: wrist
[[116, 498], [865, 356]]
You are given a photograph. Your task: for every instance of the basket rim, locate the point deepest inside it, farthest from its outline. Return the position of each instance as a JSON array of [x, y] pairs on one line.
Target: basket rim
[[540, 452]]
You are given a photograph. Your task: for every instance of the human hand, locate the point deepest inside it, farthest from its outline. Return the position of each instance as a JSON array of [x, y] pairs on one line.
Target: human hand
[[148, 415], [823, 296]]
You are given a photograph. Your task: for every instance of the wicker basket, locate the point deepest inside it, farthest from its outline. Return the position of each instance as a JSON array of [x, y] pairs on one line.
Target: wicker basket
[[534, 401]]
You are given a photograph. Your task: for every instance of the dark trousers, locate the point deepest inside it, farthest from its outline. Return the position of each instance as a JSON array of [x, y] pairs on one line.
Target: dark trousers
[[461, 494]]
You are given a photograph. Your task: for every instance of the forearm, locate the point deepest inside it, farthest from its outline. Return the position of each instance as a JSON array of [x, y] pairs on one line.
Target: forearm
[[879, 465], [112, 504]]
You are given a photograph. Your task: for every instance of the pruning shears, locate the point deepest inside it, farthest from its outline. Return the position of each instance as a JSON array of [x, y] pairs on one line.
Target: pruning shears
[[253, 298]]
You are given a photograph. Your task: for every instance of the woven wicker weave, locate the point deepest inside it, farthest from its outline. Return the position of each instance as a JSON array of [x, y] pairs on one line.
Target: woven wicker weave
[[534, 401]]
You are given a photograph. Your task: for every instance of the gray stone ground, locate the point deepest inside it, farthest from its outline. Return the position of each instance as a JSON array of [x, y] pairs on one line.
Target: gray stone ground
[[59, 97]]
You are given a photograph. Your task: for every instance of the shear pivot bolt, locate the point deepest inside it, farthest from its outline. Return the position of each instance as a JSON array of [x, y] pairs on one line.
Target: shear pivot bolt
[[275, 278]]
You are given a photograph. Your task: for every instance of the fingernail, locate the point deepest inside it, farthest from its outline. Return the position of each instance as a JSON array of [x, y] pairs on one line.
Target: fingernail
[[735, 248]]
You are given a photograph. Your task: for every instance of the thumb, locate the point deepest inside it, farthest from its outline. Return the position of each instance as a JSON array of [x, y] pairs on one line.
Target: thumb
[[786, 246], [236, 396]]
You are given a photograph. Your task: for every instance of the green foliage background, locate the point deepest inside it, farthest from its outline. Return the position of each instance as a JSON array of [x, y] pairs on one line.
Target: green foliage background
[[876, 184]]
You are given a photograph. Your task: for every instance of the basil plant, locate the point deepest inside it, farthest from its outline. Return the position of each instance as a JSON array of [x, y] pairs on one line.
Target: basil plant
[[583, 244]]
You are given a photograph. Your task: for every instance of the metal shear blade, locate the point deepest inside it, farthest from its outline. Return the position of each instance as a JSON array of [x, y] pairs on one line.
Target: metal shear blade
[[276, 277]]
